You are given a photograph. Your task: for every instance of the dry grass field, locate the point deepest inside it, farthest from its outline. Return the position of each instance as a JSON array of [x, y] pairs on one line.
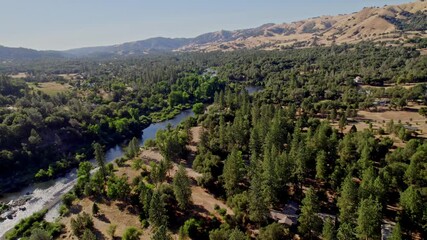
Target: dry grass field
[[50, 88], [379, 119], [19, 75]]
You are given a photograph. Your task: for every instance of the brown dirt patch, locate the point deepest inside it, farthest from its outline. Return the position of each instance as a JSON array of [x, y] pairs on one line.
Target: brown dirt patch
[[110, 213]]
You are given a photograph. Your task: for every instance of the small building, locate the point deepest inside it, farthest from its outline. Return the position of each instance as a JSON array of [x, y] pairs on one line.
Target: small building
[[358, 80], [381, 101], [282, 218], [410, 128], [288, 215]]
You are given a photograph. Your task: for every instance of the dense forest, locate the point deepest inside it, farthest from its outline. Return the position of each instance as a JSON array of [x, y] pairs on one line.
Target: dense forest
[[285, 145]]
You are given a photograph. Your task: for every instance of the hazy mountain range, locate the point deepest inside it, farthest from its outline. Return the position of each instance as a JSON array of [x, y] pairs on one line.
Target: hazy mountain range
[[388, 23]]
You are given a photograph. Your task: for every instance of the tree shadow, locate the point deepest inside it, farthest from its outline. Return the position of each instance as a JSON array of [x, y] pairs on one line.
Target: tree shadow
[[199, 209], [131, 209], [76, 209], [121, 206], [99, 235], [103, 218], [409, 109]]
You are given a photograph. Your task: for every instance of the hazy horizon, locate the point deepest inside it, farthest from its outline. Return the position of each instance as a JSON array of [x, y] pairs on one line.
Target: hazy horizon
[[63, 25]]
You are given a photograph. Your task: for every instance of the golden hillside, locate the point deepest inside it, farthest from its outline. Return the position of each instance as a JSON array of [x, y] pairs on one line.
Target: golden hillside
[[388, 23]]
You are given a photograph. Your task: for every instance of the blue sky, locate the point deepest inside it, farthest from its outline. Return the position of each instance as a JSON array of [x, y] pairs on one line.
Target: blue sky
[[65, 24]]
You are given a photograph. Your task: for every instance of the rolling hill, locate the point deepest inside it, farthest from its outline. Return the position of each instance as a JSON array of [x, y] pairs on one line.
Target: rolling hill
[[8, 54], [390, 24]]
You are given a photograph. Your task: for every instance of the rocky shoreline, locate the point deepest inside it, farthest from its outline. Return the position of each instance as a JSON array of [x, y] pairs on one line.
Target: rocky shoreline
[[9, 210]]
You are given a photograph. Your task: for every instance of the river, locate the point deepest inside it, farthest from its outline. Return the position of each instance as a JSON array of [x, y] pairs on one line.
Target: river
[[48, 194]]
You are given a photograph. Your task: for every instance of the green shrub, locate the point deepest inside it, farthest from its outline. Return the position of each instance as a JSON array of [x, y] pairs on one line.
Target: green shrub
[[131, 233], [80, 223], [34, 223]]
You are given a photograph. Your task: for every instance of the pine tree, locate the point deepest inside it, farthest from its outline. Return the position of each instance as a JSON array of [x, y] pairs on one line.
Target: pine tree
[[308, 219], [412, 203], [222, 133], [396, 234], [258, 210], [157, 211], [348, 201], [269, 179], [221, 99], [328, 231], [367, 187], [413, 174], [100, 160], [255, 143], [182, 189], [161, 233], [233, 172], [342, 123], [133, 148], [321, 168], [346, 231], [369, 219]]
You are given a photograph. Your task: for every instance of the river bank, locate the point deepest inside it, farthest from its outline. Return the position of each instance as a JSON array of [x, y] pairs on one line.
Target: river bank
[[124, 215], [48, 194]]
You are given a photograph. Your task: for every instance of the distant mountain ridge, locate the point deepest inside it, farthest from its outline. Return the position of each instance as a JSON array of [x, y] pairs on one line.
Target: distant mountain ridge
[[387, 23], [8, 53], [130, 48]]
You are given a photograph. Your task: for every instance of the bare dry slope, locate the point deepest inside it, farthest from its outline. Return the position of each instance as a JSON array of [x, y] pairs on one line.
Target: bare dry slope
[[373, 23]]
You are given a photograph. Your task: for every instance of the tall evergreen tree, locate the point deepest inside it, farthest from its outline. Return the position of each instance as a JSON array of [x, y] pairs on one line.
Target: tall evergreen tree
[[328, 231], [269, 178], [182, 189], [369, 219], [222, 133], [133, 148], [161, 233], [346, 231], [367, 187], [310, 222], [396, 234], [258, 210], [233, 172], [157, 211], [412, 203], [348, 200], [100, 160], [321, 168]]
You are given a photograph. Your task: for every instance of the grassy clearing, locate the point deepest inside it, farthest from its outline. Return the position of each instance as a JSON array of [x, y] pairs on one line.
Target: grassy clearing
[[50, 88], [19, 75], [409, 117]]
